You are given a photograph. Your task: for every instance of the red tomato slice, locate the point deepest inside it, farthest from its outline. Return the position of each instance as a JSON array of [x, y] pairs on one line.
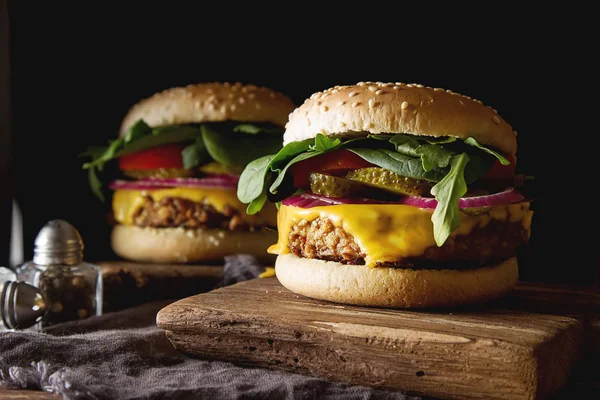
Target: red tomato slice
[[502, 171], [332, 163], [167, 156]]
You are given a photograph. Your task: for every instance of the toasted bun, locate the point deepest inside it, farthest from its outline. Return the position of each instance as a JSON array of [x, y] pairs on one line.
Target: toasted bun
[[176, 245], [206, 102], [380, 108], [394, 287]]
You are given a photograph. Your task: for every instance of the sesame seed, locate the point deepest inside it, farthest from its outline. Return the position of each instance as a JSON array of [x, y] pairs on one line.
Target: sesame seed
[[380, 91], [437, 89], [197, 104], [334, 91], [419, 85], [341, 103], [318, 103], [223, 108], [396, 87], [404, 105], [211, 106], [325, 108], [352, 94], [226, 84], [241, 100], [355, 104], [232, 107], [212, 97], [244, 89], [343, 124], [372, 103], [272, 95], [251, 96], [210, 91], [496, 120], [399, 84], [386, 85], [257, 106], [515, 133], [372, 88], [230, 95], [360, 84]]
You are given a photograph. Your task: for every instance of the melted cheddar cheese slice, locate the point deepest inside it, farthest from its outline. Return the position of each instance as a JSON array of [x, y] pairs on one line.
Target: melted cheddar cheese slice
[[387, 232], [127, 202]]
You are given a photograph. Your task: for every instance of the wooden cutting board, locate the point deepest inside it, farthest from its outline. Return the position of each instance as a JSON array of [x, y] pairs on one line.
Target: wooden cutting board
[[129, 284], [522, 347]]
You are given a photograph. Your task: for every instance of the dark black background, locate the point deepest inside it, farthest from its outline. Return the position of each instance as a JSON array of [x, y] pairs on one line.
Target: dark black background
[[76, 70]]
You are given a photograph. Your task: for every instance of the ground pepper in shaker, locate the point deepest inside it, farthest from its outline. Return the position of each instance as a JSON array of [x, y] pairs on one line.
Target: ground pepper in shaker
[[72, 288]]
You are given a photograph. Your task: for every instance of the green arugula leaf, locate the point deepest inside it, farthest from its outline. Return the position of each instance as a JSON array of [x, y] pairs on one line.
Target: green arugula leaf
[[440, 140], [323, 143], [255, 129], [194, 154], [95, 184], [434, 156], [406, 145], [473, 142], [399, 163], [452, 187]]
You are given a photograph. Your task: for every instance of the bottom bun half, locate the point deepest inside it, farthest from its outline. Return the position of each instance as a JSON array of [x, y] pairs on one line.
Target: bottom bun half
[[394, 287], [177, 245]]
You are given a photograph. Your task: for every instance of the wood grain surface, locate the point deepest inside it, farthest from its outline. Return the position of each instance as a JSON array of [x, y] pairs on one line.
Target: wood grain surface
[[129, 284], [512, 349], [6, 394]]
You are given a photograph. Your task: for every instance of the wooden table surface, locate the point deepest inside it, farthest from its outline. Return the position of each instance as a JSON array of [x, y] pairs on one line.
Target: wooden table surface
[[26, 395]]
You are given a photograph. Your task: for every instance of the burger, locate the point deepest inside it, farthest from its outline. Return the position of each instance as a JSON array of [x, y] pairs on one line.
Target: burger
[[174, 170], [394, 195]]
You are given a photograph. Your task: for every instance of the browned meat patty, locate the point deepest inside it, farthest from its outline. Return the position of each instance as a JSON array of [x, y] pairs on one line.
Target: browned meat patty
[[172, 212], [491, 244]]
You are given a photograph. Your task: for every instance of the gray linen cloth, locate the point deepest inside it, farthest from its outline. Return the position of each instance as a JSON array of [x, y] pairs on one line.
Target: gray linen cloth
[[123, 355]]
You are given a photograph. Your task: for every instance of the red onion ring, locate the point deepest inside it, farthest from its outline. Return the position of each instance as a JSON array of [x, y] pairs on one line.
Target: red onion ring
[[308, 200], [210, 181]]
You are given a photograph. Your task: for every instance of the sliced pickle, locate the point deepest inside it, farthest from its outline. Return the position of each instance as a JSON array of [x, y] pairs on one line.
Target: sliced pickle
[[160, 173], [218, 168], [334, 186], [390, 181]]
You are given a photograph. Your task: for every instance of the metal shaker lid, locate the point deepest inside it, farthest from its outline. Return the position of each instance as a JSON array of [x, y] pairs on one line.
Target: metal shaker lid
[[58, 242], [21, 305]]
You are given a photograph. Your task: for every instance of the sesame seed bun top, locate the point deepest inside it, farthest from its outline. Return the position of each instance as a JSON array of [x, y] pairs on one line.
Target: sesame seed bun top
[[383, 108], [210, 102]]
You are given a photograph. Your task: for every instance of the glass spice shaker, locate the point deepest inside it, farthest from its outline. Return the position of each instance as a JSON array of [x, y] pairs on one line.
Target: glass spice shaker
[[72, 288]]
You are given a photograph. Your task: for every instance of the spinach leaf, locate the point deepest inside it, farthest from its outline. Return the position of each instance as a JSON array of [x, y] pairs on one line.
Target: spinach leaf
[[252, 180], [452, 187], [231, 149], [137, 130], [253, 129], [298, 158], [399, 163], [257, 204], [118, 148], [194, 154]]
